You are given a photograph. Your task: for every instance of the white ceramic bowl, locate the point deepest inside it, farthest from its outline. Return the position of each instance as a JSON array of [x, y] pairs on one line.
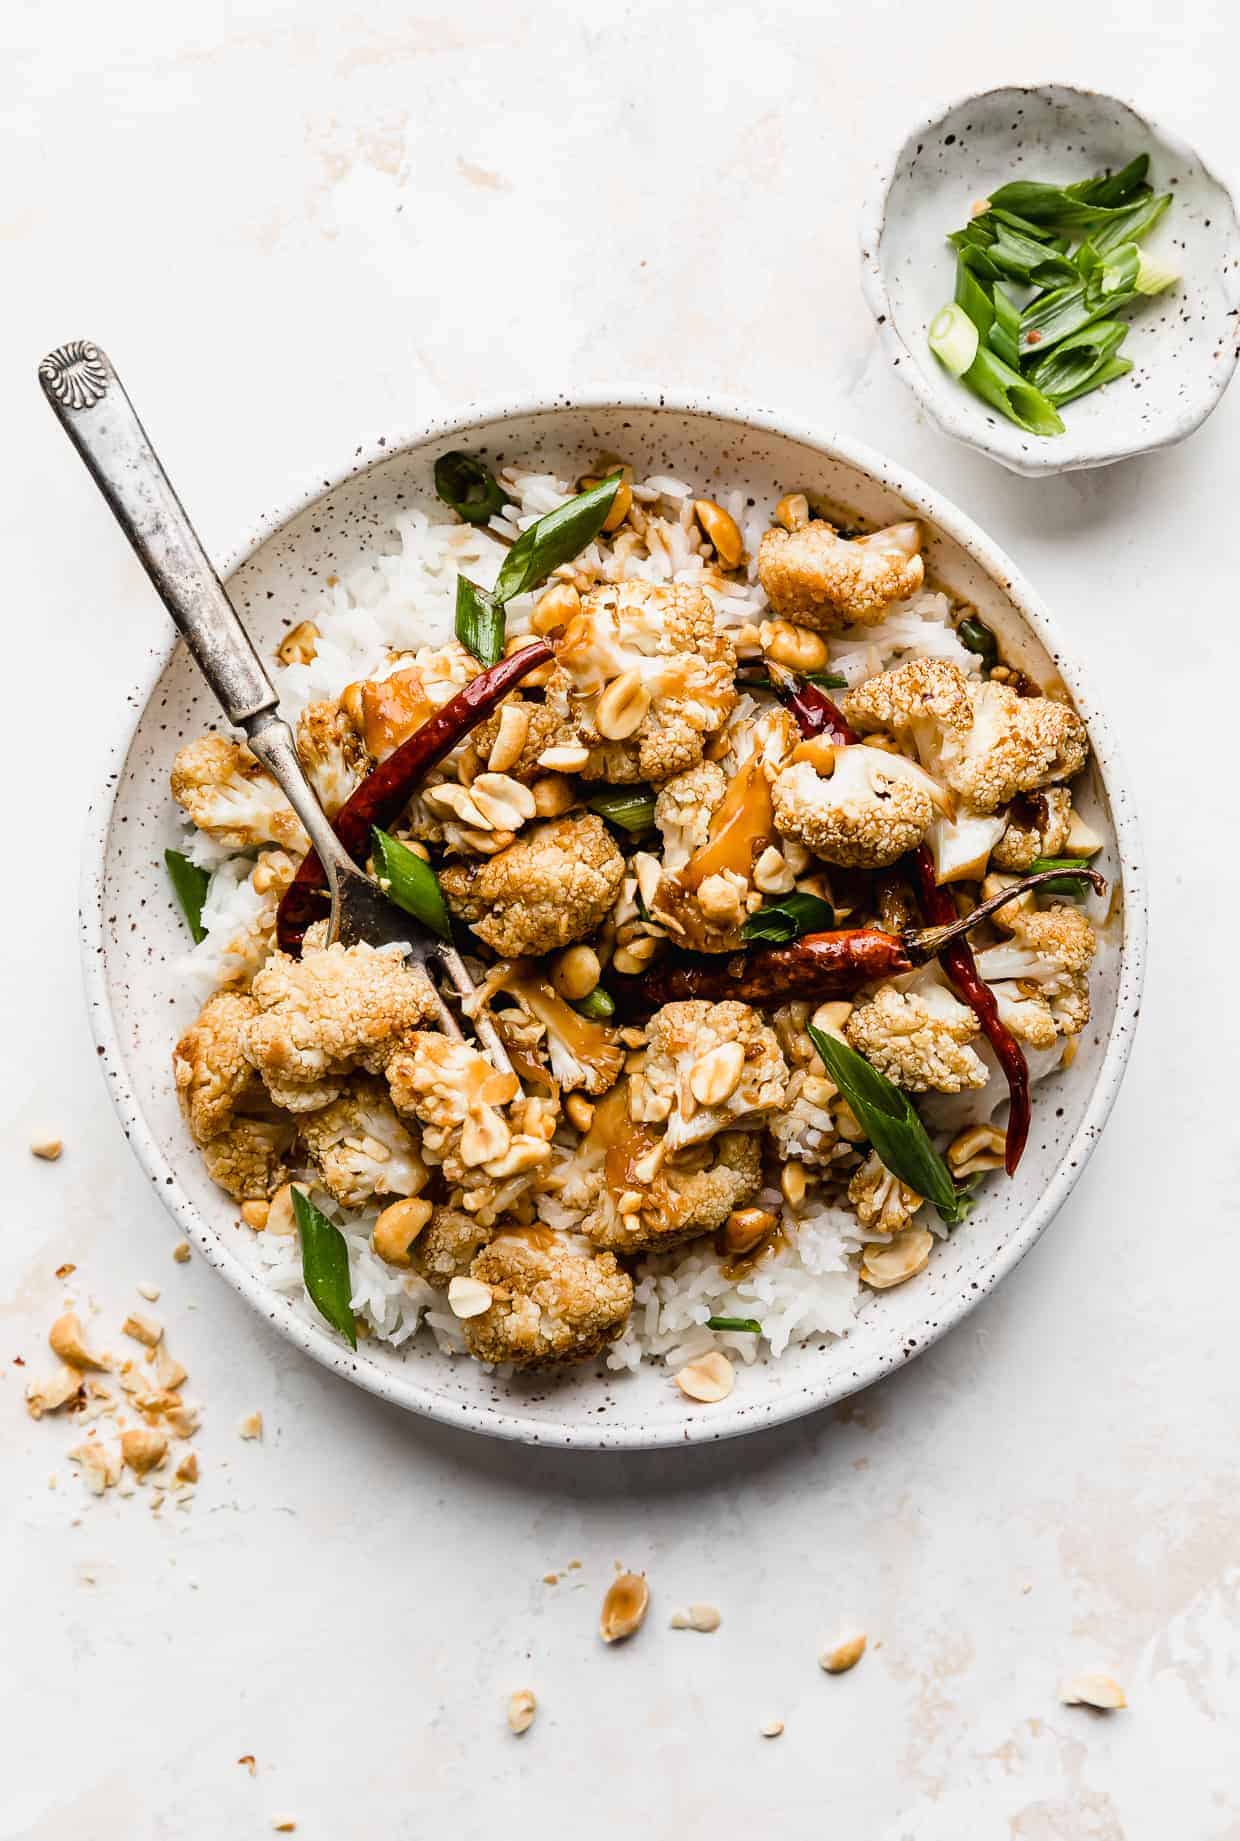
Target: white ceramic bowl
[[133, 934], [1183, 343]]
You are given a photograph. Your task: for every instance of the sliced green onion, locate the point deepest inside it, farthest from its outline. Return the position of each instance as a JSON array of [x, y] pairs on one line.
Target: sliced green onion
[[1117, 367], [975, 636], [788, 918], [1131, 225], [1152, 278], [189, 883], [751, 677], [973, 297], [1074, 361], [1073, 881], [630, 807], [1056, 316], [410, 883], [1008, 392], [469, 487], [599, 1006], [1112, 189], [953, 339], [325, 1266], [480, 624], [1004, 335], [749, 1325]]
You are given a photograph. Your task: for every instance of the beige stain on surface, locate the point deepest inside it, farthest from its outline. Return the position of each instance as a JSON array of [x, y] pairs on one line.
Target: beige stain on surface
[[480, 176]]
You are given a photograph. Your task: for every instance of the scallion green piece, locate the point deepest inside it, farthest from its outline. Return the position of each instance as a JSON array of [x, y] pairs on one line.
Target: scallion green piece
[[409, 882], [325, 1266], [749, 1325], [788, 918], [480, 623], [189, 884], [953, 339], [1075, 360], [1152, 278], [1073, 881], [1116, 367], [1004, 334], [599, 1006], [556, 539], [630, 807], [975, 636], [469, 487], [1007, 391]]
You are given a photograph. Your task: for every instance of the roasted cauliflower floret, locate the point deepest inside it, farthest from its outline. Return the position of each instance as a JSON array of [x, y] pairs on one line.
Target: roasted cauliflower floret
[[819, 579], [360, 1148], [687, 1193], [462, 1104], [217, 1090], [230, 797], [1037, 828], [447, 1245], [583, 1056], [551, 1302], [330, 1012], [708, 1068], [919, 1038], [330, 749], [1041, 978], [553, 886], [871, 809], [883, 1204], [645, 679], [975, 735], [683, 811]]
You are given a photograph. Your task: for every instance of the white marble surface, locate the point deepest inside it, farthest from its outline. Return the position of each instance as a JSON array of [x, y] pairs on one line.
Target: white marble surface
[[292, 226]]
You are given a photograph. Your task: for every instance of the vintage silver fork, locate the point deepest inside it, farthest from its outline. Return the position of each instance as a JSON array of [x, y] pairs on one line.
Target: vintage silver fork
[[88, 398]]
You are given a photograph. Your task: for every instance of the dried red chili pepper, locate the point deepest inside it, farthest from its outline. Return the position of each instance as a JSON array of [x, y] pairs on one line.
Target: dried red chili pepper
[[814, 711], [958, 962], [384, 793]]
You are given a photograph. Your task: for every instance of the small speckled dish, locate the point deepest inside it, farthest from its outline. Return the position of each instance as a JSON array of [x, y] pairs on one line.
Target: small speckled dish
[[1183, 343], [133, 936]]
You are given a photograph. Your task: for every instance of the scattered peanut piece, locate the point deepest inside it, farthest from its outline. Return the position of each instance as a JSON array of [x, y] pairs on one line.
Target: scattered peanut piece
[[187, 1470], [624, 1607], [698, 1617], [180, 1252], [143, 1449], [170, 1372], [844, 1656], [709, 1379], [47, 1149], [148, 1291], [251, 1426], [143, 1329], [69, 1343], [66, 1269], [183, 1420], [551, 1578], [522, 1707], [773, 1729], [283, 1825], [50, 1395], [247, 1758], [101, 1468], [1093, 1689]]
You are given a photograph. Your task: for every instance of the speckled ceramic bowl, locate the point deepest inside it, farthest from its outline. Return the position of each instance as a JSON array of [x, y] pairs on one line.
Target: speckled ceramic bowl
[[1183, 343], [133, 934]]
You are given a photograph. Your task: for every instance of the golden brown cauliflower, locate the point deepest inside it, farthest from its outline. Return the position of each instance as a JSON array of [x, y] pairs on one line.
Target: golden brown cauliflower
[[708, 1068], [644, 679], [447, 1245], [216, 1087], [871, 809], [919, 1038], [979, 737], [1041, 978], [883, 1204], [822, 580], [551, 1303], [582, 1055], [487, 1146], [689, 1193], [553, 886], [331, 751], [331, 1011], [1037, 826], [230, 797], [521, 724], [683, 811], [360, 1148]]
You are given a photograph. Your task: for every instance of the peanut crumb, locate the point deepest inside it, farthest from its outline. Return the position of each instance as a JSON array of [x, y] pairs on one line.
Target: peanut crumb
[[143, 1329], [65, 1270], [247, 1758], [773, 1729], [522, 1707], [283, 1825], [551, 1578], [251, 1426], [47, 1149], [148, 1291], [844, 1655], [187, 1470], [180, 1252]]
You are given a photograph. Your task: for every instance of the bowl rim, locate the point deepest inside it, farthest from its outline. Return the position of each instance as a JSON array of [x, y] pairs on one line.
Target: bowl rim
[[793, 1401], [941, 404]]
